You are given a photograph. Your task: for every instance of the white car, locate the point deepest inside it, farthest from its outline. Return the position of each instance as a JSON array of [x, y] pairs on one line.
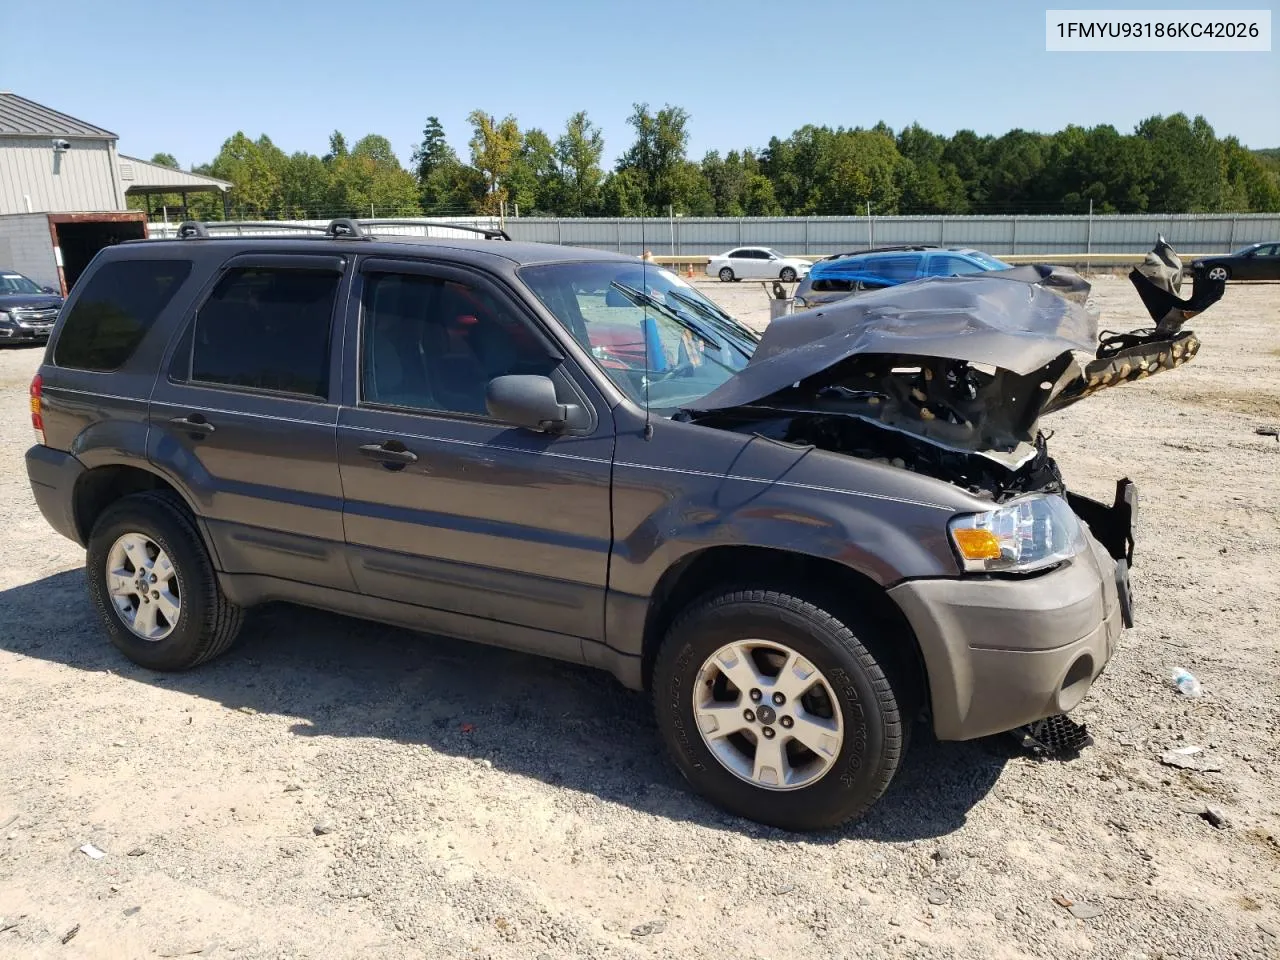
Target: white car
[[756, 263]]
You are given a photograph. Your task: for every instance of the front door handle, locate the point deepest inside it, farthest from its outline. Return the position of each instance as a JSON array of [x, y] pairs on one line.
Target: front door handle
[[392, 454], [194, 424]]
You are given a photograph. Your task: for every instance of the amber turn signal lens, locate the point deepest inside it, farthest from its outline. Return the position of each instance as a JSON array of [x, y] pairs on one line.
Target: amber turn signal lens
[[976, 544]]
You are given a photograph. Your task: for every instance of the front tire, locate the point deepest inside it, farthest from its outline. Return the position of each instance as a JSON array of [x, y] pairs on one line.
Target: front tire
[[726, 275], [1219, 273], [154, 586], [838, 731], [788, 275]]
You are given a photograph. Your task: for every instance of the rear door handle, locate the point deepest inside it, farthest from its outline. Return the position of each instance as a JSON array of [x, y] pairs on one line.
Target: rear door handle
[[390, 453], [194, 424]]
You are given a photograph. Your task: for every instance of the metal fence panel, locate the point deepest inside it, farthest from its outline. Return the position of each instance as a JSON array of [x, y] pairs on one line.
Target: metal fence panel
[[816, 236]]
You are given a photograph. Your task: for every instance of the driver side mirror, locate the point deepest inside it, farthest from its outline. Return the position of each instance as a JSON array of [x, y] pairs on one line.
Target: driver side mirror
[[530, 401], [49, 290]]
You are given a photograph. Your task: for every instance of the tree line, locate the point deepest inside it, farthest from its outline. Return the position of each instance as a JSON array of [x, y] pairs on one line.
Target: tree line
[[1166, 165]]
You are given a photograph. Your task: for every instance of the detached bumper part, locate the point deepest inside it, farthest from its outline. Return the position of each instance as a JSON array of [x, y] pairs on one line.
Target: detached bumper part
[[1001, 653]]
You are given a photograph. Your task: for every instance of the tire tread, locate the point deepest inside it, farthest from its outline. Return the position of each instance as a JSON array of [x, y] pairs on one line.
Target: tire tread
[[222, 619], [786, 604]]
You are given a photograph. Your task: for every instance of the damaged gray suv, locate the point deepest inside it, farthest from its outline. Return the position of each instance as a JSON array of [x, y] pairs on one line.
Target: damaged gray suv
[[797, 543]]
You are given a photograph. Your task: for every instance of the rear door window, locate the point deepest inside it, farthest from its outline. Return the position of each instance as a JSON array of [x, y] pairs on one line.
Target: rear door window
[[117, 307], [267, 328]]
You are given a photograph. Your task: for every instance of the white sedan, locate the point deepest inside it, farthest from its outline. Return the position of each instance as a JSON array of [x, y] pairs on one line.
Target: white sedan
[[756, 263]]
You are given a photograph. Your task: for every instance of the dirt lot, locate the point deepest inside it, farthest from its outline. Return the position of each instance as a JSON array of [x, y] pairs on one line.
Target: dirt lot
[[332, 789]]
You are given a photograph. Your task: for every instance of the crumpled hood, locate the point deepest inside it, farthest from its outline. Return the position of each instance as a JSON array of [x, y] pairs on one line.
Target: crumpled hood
[[950, 376], [1013, 323]]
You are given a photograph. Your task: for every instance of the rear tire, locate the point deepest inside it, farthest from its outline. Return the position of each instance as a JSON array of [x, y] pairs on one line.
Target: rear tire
[[206, 622], [788, 275], [851, 697], [726, 275]]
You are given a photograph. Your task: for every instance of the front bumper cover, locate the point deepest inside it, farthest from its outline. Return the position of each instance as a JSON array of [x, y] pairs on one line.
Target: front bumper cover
[[1003, 652]]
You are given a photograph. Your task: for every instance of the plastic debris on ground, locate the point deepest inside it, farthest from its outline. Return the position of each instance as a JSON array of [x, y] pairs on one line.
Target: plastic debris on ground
[[92, 852], [1186, 682]]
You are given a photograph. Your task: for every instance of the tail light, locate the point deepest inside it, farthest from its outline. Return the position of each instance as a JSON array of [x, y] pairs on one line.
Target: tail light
[[37, 416]]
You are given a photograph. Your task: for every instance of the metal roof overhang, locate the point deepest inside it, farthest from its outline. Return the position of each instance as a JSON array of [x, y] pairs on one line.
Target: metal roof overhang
[[141, 177]]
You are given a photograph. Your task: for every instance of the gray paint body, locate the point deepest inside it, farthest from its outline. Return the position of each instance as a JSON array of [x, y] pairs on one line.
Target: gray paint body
[[554, 544]]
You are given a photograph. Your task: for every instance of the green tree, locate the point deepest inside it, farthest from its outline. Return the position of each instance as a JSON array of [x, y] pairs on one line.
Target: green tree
[[166, 160], [306, 187], [337, 147], [254, 173], [369, 181], [535, 182], [623, 194], [657, 160], [1189, 177], [495, 145], [758, 199], [926, 182], [854, 168], [578, 151], [433, 152]]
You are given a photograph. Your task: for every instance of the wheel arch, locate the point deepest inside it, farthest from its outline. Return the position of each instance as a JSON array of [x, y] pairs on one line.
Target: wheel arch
[[834, 585], [100, 486]]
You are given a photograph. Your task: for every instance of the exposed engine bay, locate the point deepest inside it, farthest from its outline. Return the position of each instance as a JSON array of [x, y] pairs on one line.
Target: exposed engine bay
[[950, 376]]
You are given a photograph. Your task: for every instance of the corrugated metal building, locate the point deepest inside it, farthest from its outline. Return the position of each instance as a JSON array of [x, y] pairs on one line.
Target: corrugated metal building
[[63, 190], [50, 162]]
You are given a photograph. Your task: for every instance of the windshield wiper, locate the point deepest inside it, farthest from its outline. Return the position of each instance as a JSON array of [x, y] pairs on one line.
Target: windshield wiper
[[721, 320], [643, 300]]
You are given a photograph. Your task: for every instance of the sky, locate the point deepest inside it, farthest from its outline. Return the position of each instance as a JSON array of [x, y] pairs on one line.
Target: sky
[[182, 76]]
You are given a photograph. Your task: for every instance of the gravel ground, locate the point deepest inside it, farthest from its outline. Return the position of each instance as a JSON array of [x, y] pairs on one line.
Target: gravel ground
[[334, 789]]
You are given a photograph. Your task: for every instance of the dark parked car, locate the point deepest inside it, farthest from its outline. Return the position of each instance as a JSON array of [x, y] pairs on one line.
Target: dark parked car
[[843, 274], [1258, 261], [27, 310], [796, 543]]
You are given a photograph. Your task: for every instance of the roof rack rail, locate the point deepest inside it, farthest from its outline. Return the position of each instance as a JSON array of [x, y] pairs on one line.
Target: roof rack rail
[[189, 229], [344, 228], [489, 233]]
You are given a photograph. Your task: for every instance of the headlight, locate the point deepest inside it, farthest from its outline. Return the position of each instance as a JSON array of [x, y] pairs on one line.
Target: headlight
[[1197, 264], [4, 316], [1026, 534]]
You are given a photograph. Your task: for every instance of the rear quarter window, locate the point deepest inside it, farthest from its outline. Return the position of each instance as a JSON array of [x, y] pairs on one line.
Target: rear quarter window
[[117, 307]]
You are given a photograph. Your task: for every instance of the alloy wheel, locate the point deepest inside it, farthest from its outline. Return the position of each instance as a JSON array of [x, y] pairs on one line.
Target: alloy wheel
[[767, 714], [143, 585]]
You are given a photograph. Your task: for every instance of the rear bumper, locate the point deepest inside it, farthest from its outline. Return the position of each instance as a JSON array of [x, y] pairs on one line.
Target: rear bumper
[[1003, 653], [53, 475]]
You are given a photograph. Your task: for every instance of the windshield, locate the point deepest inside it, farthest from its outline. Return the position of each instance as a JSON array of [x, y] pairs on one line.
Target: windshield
[[1245, 250], [988, 261], [661, 341], [16, 283]]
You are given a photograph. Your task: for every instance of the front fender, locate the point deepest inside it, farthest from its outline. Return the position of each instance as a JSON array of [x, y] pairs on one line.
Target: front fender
[[719, 488]]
